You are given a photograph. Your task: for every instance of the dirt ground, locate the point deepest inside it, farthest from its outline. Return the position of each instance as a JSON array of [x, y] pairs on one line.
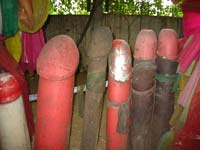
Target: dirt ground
[[77, 121]]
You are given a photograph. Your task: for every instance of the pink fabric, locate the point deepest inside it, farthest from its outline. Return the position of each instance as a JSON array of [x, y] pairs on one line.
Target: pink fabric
[[32, 45], [188, 90], [191, 17], [181, 43], [190, 52], [197, 57], [189, 137], [191, 26], [191, 22], [2, 38]]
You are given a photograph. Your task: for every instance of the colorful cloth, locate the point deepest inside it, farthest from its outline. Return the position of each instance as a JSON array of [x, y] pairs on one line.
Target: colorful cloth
[[9, 10], [189, 137], [188, 91], [190, 51], [191, 31], [32, 44], [13, 44], [186, 124], [40, 13], [0, 20]]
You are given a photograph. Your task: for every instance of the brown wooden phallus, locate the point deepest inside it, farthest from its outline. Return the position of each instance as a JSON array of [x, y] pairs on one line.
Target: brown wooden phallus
[[142, 102], [164, 101], [101, 43], [143, 83], [165, 78]]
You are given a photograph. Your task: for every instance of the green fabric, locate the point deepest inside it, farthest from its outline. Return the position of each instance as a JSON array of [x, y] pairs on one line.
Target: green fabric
[[166, 141], [14, 46], [0, 20], [188, 41], [9, 10], [176, 83], [96, 81], [165, 78], [190, 69], [178, 109]]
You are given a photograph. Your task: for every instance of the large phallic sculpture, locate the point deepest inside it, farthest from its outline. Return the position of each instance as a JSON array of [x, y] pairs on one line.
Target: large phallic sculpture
[[168, 48], [143, 83], [119, 86], [56, 66], [14, 132], [101, 44]]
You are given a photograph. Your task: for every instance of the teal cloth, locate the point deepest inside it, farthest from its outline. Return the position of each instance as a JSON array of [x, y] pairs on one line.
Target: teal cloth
[[9, 10], [0, 21], [165, 78]]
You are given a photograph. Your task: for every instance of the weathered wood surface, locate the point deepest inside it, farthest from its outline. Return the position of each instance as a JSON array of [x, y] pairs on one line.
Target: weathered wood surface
[[123, 27]]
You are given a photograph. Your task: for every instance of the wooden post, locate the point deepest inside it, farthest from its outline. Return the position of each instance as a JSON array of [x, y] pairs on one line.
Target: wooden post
[[101, 43]]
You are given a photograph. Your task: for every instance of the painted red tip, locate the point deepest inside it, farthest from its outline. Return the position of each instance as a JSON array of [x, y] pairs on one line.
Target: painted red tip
[[58, 59], [168, 45], [145, 45]]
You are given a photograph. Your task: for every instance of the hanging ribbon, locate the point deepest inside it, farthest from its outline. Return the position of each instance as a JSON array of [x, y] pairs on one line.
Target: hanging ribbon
[[32, 44], [9, 10], [13, 44]]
